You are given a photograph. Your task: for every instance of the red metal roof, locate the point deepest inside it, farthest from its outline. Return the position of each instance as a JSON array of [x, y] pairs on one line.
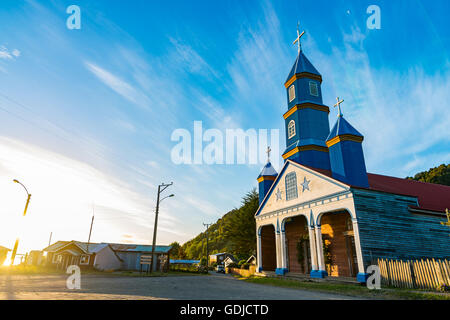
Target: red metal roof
[[431, 196]]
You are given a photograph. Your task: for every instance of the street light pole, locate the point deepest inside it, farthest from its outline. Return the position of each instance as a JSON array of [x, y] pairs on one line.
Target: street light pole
[[16, 244], [161, 188]]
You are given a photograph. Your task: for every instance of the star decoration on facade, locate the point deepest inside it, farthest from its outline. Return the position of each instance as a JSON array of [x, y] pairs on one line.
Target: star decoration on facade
[[278, 194], [305, 184]]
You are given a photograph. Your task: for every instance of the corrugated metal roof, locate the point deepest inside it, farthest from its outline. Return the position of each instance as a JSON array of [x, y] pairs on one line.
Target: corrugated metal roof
[[139, 248], [184, 261]]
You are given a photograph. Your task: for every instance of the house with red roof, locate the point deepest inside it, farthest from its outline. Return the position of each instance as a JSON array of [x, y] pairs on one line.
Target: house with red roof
[[324, 214]]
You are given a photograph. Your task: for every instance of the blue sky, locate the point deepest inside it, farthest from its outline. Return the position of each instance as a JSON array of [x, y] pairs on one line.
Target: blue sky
[[86, 115]]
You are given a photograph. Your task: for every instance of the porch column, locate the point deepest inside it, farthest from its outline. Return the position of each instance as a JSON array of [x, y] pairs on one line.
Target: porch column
[[362, 275], [321, 273], [278, 269], [313, 250], [283, 250], [258, 250]]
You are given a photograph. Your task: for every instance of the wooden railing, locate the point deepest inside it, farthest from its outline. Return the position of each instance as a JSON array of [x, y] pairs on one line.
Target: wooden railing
[[417, 274]]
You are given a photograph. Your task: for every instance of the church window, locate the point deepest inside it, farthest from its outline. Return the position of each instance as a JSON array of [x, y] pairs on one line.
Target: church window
[[291, 129], [291, 186], [291, 93], [313, 89]]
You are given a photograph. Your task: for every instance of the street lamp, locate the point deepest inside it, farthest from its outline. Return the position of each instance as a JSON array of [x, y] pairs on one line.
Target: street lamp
[[161, 188], [16, 245]]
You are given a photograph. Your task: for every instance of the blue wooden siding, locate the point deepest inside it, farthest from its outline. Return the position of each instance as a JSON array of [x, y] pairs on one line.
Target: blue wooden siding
[[389, 230]]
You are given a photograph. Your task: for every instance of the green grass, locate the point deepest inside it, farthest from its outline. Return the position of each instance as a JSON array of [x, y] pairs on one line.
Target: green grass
[[34, 270], [350, 289]]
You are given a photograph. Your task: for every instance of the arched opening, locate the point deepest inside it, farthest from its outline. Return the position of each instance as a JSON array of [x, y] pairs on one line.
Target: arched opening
[[339, 244], [297, 245], [268, 248]]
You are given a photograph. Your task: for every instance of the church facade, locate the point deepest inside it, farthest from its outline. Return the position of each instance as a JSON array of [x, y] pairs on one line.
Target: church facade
[[323, 214]]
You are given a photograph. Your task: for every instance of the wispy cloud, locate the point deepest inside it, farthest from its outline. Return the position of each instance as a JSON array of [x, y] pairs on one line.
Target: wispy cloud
[[119, 86]]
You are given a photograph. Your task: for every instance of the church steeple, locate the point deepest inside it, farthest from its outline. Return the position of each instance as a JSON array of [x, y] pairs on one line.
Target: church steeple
[[266, 178], [306, 120], [346, 153]]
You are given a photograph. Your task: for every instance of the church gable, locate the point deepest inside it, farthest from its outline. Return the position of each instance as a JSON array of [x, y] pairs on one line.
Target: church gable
[[297, 184]]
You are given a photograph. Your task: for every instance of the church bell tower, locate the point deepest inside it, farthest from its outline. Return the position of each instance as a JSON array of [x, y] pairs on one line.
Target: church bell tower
[[306, 120]]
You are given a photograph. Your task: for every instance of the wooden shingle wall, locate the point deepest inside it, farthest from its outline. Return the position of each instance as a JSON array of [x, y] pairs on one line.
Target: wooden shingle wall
[[388, 230]]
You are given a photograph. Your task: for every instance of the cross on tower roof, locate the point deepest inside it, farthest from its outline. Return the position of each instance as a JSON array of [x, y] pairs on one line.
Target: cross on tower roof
[[338, 104], [298, 38], [268, 153]]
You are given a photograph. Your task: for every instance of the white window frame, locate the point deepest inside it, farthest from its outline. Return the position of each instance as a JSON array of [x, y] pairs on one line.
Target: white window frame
[[291, 129], [57, 258], [312, 83], [291, 186], [291, 93], [88, 259]]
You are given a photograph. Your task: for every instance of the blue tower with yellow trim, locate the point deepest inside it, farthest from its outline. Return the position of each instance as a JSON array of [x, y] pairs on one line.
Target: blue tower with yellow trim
[[307, 124], [265, 180], [346, 154]]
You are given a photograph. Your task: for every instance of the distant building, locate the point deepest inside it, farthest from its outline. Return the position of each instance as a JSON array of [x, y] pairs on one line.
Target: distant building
[[252, 260], [105, 256], [3, 253], [184, 263], [131, 256], [99, 256], [219, 257], [229, 260]]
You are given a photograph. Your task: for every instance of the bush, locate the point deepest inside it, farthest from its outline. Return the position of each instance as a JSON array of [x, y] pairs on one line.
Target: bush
[[233, 265], [241, 262]]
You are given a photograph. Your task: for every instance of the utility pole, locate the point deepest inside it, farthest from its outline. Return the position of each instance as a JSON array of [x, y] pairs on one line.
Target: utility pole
[[50, 239], [161, 188], [16, 244], [207, 225], [90, 231]]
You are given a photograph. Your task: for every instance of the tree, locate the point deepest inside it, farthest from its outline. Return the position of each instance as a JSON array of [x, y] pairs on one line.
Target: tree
[[175, 251], [240, 228], [439, 175]]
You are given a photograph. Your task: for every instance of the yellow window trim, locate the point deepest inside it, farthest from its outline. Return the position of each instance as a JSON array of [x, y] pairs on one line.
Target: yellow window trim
[[304, 148], [306, 105], [302, 75], [344, 137], [261, 179]]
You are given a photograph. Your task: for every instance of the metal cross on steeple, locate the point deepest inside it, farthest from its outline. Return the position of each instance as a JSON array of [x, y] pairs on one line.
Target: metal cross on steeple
[[298, 37], [338, 104], [268, 153]]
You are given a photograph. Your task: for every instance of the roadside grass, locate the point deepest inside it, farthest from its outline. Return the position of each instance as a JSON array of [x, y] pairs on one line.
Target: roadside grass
[[35, 270], [350, 289]]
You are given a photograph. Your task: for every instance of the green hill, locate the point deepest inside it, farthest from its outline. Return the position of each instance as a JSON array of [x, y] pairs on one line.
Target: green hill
[[235, 233]]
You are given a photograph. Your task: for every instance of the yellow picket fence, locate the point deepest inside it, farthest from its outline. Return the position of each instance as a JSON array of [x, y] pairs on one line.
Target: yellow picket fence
[[417, 274]]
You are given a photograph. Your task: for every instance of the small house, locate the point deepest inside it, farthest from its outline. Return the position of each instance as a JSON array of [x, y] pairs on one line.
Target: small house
[[99, 256], [219, 258], [229, 260]]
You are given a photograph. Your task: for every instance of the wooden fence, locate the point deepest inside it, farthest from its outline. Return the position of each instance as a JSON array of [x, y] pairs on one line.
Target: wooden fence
[[243, 272], [415, 274]]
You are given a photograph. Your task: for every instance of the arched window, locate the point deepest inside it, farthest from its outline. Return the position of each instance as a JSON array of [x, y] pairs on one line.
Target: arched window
[[291, 186], [291, 93], [291, 129]]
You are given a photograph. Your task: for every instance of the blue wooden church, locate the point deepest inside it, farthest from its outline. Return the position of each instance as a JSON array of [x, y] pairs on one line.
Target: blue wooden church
[[324, 214]]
